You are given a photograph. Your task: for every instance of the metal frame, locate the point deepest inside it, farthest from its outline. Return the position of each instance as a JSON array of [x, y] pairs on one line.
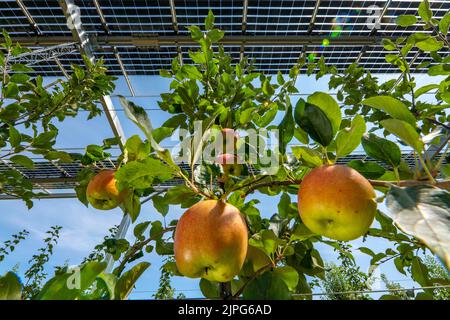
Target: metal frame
[[80, 35]]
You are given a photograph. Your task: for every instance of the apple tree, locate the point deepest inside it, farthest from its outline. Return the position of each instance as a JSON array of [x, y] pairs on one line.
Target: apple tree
[[215, 100]]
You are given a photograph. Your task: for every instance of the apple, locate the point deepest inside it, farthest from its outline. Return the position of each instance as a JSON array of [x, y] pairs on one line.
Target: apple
[[102, 192], [337, 202], [230, 166], [211, 241], [229, 139]]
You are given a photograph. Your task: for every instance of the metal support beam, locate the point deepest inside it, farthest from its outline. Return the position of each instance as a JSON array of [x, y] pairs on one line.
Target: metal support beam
[[173, 13], [102, 16], [382, 14], [124, 71], [81, 36], [151, 40], [61, 67], [45, 54], [313, 17], [29, 17], [244, 16], [59, 195]]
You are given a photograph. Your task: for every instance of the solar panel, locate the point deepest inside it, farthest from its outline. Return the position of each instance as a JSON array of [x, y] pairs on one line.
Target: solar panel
[[272, 20]]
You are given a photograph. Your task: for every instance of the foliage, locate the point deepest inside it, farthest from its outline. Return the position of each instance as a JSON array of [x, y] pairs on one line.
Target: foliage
[[29, 110], [35, 274], [165, 290], [345, 277], [9, 245], [219, 93]]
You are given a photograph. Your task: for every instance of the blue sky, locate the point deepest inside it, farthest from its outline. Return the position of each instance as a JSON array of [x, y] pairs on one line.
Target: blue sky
[[83, 227]]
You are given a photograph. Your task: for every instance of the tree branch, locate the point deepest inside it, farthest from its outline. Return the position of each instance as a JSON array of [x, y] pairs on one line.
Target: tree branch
[[443, 184]]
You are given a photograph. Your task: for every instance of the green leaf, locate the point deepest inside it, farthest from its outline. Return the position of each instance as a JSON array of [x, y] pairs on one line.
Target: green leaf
[[429, 44], [423, 211], [425, 11], [141, 174], [14, 137], [135, 149], [370, 170], [419, 272], [127, 281], [308, 156], [267, 88], [209, 21], [210, 290], [425, 89], [348, 139], [267, 118], [405, 132], [269, 286], [301, 232], [160, 204], [406, 20], [10, 287], [395, 108], [289, 275], [22, 160], [314, 122], [215, 35], [382, 149], [286, 129], [191, 72], [132, 206], [196, 33], [445, 23], [283, 205], [329, 106], [70, 285]]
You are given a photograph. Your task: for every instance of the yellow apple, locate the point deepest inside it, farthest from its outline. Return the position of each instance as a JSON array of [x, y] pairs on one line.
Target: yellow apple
[[102, 192], [337, 202], [211, 241]]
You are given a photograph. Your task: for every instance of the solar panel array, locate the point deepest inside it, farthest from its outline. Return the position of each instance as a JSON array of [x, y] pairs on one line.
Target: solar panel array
[[62, 176], [336, 21]]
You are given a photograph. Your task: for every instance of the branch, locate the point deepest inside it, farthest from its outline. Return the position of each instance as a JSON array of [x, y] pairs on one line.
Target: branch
[[136, 247], [443, 184]]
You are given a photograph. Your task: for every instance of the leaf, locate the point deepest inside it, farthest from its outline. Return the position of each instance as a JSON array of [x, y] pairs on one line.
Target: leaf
[[209, 20], [424, 212], [14, 137], [10, 287], [289, 275], [314, 122], [444, 23], [141, 174], [393, 107], [425, 11], [215, 35], [382, 149], [283, 205], [132, 206], [191, 72], [308, 156], [286, 129], [301, 232], [127, 281], [348, 139], [425, 89], [429, 44], [22, 160], [370, 170], [196, 33], [160, 204], [69, 285], [210, 290], [135, 149], [405, 132], [329, 106], [406, 20], [419, 272], [269, 286]]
